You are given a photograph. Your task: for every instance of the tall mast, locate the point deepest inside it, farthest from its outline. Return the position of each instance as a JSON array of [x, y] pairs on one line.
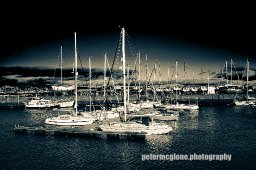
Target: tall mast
[[146, 76], [61, 65], [208, 79], [104, 81], [90, 78], [128, 88], [226, 66], [159, 73], [168, 71], [155, 67], [231, 63], [193, 75], [76, 73], [247, 78], [154, 90], [124, 88], [201, 75], [139, 75], [176, 77]]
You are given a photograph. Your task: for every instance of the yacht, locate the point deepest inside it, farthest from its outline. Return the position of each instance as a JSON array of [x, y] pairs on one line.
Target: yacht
[[145, 127], [40, 103], [74, 119], [69, 120], [62, 87], [180, 106], [248, 100]]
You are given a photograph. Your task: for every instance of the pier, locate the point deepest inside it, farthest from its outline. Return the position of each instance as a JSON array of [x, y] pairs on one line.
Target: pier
[[79, 132]]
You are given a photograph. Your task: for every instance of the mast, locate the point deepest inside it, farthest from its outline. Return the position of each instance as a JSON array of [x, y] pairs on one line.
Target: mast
[[155, 67], [226, 66], [168, 71], [90, 78], [185, 72], [76, 74], [146, 76], [208, 78], [176, 77], [61, 65], [139, 75], [231, 62], [128, 88], [124, 88], [247, 79], [193, 75], [104, 81], [159, 72], [201, 75], [154, 89]]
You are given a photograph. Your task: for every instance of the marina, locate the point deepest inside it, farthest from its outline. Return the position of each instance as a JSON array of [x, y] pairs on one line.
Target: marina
[[203, 100], [118, 113]]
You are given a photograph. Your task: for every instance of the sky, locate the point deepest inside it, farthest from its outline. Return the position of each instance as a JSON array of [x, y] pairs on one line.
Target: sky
[[201, 37]]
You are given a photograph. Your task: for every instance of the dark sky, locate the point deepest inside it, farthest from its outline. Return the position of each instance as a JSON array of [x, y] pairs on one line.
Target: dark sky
[[224, 27]]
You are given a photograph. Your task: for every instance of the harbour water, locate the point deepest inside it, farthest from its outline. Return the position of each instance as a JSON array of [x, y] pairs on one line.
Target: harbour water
[[212, 130]]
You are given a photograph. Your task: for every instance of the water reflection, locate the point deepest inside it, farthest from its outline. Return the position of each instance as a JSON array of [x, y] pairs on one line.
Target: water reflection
[[34, 116], [193, 113], [207, 120], [159, 142], [211, 130], [188, 120]]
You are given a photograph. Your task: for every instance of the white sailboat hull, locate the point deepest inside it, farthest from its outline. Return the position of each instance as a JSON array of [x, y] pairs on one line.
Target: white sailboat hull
[[133, 127], [243, 103], [68, 120], [182, 107], [66, 104], [63, 88]]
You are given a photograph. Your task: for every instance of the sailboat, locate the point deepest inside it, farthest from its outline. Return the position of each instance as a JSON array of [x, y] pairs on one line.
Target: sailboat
[[73, 119], [147, 104], [61, 87], [147, 127], [106, 114], [248, 100], [180, 106]]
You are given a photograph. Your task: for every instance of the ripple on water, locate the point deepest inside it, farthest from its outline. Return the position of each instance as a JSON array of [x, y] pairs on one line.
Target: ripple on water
[[213, 130]]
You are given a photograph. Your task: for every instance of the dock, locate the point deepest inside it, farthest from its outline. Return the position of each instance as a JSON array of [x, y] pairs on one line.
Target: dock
[[79, 132], [17, 101]]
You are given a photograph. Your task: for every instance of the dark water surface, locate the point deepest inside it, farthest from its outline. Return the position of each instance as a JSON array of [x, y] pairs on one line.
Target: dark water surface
[[213, 130]]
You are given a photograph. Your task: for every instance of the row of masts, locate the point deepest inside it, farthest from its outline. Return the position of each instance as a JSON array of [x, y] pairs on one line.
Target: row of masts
[[231, 72], [159, 74], [139, 74]]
